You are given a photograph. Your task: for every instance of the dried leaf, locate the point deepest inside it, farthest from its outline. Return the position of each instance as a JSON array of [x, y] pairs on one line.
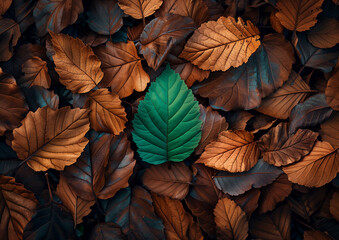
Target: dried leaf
[[4, 5], [40, 141], [139, 9], [334, 208], [160, 35], [9, 36], [107, 231], [238, 183], [13, 108], [219, 45], [298, 15], [122, 68], [56, 15], [316, 235], [233, 151], [248, 201], [331, 92], [231, 220], [168, 179], [325, 34], [178, 223], [39, 97], [105, 17], [329, 130], [17, 208], [280, 149], [76, 205], [23, 13], [36, 73], [281, 102], [238, 120], [107, 114], [316, 169], [212, 125], [76, 64]]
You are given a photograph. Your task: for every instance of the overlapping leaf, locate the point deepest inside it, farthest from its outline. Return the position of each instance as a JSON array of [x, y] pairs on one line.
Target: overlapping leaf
[[139, 9], [36, 73], [40, 141], [167, 125], [9, 36], [219, 45], [107, 231], [329, 130], [39, 97], [325, 34], [331, 92]]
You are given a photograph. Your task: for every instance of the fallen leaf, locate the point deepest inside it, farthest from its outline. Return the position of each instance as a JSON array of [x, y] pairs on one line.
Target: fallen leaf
[[23, 13], [17, 208], [76, 64], [107, 114], [43, 147], [219, 45], [316, 235], [233, 151], [231, 221], [168, 179], [122, 68], [237, 120], [331, 92], [280, 149], [329, 130], [107, 231], [4, 5], [139, 9], [36, 73], [39, 97], [56, 15], [105, 17], [325, 34], [316, 169], [235, 184], [248, 201], [9, 36], [298, 15]]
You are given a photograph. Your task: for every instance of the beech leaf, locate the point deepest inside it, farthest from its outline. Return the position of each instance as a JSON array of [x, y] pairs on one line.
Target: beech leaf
[[331, 92], [140, 9], [36, 73], [325, 34], [9, 36], [329, 130]]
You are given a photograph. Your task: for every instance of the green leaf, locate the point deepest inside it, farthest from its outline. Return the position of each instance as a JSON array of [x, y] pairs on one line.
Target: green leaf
[[167, 125]]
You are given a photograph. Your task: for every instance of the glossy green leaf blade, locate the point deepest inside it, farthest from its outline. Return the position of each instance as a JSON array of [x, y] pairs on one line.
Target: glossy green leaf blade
[[167, 125]]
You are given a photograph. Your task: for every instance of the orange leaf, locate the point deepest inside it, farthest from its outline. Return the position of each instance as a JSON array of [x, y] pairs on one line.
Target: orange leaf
[[331, 92], [325, 34], [51, 138], [36, 73], [329, 130], [139, 9]]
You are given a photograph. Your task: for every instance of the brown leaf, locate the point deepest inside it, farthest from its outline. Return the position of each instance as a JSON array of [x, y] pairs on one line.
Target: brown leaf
[[274, 193], [17, 208], [334, 208], [12, 102], [107, 114], [77, 206], [107, 231], [160, 35], [275, 23], [316, 169], [212, 125], [139, 9], [298, 15], [122, 68], [9, 36], [178, 223], [119, 166], [196, 9], [329, 130], [233, 151], [219, 45], [325, 34], [230, 220], [238, 120], [280, 149], [276, 225], [36, 73], [56, 15], [331, 92], [4, 5], [168, 179], [281, 102], [51, 138], [316, 235], [76, 64], [248, 201]]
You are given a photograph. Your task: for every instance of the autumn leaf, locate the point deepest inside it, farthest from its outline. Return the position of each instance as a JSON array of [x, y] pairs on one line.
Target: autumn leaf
[[331, 91], [316, 169], [9, 36], [107, 114], [122, 68], [168, 179], [248, 201], [231, 220], [233, 151], [235, 184], [39, 97], [13, 108], [298, 15], [105, 17], [36, 73], [23, 13], [316, 235], [160, 35], [139, 9], [40, 141], [219, 45], [325, 34], [280, 149], [18, 205], [107, 231], [76, 64], [4, 5], [56, 15], [166, 127], [329, 130]]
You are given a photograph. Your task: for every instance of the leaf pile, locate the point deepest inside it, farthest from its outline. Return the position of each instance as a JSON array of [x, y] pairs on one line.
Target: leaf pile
[[169, 119]]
